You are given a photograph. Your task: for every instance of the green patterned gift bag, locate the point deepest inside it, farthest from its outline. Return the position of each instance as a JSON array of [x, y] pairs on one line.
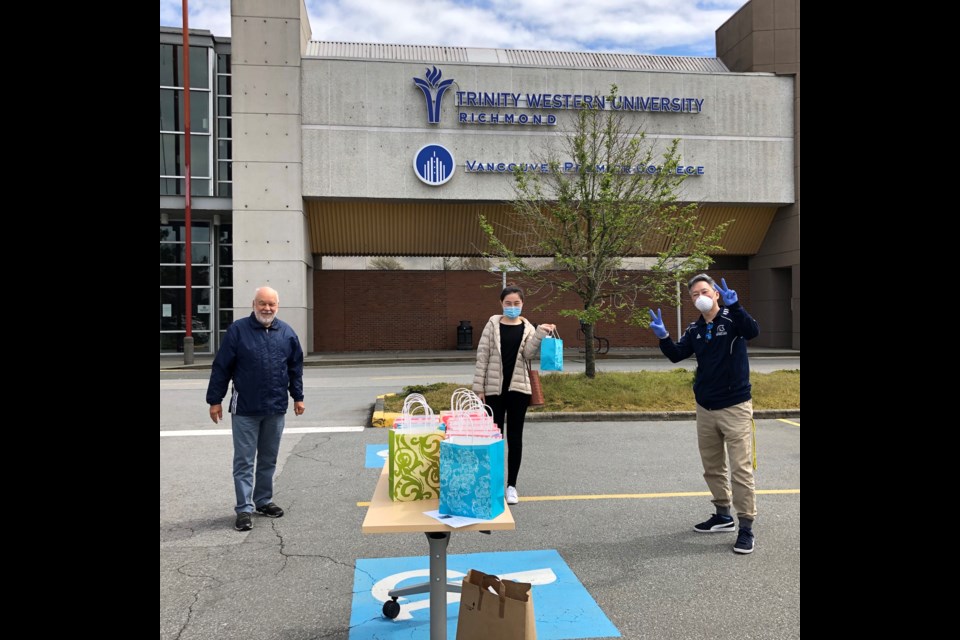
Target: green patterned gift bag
[[414, 465], [414, 453]]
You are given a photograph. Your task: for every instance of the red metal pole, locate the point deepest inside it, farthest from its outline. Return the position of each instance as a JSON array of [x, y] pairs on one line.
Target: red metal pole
[[188, 223]]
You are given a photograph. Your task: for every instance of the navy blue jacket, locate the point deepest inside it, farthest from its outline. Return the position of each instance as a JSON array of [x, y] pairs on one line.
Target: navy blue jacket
[[723, 372], [264, 364]]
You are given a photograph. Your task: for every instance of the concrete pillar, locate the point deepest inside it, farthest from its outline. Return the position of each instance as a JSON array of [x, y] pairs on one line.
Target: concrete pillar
[[270, 230]]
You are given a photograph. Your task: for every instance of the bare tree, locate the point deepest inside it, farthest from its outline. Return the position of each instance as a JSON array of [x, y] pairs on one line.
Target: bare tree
[[607, 194], [469, 263], [385, 263]]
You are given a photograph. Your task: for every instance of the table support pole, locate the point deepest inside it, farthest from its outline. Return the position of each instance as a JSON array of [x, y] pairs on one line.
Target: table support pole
[[438, 585]]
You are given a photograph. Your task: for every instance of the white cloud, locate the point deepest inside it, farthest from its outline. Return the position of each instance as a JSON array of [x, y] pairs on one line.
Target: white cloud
[[626, 26], [212, 15]]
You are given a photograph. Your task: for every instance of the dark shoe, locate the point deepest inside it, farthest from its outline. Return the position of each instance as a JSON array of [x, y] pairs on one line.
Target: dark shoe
[[244, 523], [716, 524], [744, 541], [271, 510]]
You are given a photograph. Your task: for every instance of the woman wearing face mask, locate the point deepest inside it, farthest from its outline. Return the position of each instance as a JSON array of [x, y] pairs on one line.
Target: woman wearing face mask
[[500, 377]]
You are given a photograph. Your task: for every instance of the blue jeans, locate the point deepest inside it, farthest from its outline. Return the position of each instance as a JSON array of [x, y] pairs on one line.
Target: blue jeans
[[255, 438]]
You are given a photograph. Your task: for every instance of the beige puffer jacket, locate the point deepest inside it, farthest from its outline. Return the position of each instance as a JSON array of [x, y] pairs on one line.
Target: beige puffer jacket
[[488, 374]]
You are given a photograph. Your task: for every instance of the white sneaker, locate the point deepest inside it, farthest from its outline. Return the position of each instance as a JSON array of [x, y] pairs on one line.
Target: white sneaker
[[512, 497]]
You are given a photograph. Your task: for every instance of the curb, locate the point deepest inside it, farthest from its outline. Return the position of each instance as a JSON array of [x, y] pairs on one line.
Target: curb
[[383, 418], [338, 362], [643, 416]]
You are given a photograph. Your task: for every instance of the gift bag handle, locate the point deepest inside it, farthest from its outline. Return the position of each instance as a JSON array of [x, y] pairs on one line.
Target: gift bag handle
[[465, 400], [415, 404]]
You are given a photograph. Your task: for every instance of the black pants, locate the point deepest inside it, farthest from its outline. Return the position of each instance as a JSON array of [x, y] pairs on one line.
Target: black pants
[[514, 404]]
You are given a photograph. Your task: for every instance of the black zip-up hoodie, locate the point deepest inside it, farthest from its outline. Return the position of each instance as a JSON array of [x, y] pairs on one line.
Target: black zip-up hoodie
[[723, 372]]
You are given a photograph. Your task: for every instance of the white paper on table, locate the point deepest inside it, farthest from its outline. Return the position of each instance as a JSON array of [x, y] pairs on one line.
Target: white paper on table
[[453, 521]]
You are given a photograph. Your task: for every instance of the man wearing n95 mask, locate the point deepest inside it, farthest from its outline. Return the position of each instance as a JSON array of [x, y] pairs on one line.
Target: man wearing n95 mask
[[724, 405]]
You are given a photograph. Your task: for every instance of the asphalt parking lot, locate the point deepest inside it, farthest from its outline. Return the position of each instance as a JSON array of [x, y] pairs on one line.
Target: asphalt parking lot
[[615, 500]]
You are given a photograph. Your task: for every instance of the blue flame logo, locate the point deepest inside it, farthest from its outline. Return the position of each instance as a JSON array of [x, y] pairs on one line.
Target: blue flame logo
[[433, 91]]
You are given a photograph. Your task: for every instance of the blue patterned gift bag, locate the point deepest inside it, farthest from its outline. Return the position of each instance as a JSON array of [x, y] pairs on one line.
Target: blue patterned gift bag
[[551, 354], [471, 478]]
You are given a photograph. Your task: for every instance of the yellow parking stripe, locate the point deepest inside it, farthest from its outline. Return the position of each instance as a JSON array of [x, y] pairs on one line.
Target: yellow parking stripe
[[796, 424], [465, 375], [635, 496]]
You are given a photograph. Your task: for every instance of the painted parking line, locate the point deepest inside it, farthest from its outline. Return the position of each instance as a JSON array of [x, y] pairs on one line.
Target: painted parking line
[[796, 424], [228, 432], [562, 606], [637, 496], [376, 456], [644, 496], [465, 375]]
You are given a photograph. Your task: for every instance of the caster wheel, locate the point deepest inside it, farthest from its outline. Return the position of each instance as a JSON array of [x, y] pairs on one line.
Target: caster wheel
[[391, 609]]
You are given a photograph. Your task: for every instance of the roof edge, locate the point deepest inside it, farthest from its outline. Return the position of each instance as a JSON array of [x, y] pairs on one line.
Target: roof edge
[[531, 57]]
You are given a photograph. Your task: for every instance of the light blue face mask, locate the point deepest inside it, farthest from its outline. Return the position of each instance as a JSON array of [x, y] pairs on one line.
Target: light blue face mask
[[512, 312]]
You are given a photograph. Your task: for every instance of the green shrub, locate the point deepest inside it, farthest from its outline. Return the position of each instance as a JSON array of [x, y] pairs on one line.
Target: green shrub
[[625, 391]]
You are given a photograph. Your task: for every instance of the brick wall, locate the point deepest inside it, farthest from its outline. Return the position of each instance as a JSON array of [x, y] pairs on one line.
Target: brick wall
[[421, 310]]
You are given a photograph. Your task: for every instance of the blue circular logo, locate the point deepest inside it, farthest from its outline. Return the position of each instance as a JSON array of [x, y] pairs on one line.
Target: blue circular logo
[[434, 165]]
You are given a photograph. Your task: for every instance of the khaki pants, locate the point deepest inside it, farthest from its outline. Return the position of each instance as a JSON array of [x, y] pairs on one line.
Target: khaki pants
[[730, 427]]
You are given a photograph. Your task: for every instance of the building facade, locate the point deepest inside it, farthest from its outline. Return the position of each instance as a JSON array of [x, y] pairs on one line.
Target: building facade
[[764, 35], [211, 186], [320, 154]]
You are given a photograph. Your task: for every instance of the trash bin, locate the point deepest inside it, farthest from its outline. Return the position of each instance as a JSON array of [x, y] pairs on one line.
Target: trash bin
[[464, 336]]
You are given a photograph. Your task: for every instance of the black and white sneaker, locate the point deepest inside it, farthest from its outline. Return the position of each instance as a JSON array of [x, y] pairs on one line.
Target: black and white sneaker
[[243, 523], [744, 541], [271, 510], [716, 524]]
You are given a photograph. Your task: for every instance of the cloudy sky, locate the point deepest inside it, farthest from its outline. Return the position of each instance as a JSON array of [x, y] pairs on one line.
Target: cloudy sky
[[675, 27]]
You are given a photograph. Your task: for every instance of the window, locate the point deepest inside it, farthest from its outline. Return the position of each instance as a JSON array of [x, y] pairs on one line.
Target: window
[[172, 123], [225, 278], [173, 316], [224, 127]]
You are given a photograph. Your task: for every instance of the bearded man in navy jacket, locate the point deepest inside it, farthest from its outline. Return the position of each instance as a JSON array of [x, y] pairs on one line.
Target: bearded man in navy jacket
[[263, 357], [724, 405]]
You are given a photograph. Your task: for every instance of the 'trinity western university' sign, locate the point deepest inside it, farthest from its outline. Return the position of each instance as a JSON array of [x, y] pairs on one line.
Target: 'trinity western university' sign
[[434, 164], [476, 107]]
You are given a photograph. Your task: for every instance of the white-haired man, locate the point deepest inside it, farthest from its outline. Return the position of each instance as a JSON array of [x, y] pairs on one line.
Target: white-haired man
[[263, 357]]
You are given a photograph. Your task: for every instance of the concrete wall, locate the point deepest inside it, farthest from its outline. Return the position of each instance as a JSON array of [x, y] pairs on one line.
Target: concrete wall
[[764, 35], [363, 121], [271, 245]]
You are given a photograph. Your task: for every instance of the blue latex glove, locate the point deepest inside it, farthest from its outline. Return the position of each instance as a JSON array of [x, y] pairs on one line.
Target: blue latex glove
[[729, 296], [656, 323]]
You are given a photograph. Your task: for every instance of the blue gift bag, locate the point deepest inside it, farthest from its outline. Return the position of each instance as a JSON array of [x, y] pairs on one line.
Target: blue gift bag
[[471, 478], [551, 354]]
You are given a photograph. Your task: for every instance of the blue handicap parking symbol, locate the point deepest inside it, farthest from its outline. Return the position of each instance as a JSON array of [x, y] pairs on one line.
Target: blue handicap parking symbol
[[376, 456], [562, 606]]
